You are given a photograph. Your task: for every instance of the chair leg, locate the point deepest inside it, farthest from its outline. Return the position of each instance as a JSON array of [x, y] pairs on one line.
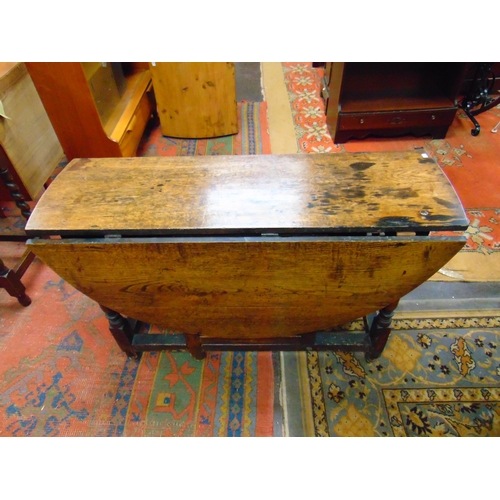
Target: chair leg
[[10, 281]]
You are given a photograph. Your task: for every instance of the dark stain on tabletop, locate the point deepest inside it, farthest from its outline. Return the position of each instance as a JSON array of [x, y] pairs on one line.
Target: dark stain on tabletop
[[403, 193], [397, 222], [360, 176], [426, 160], [356, 193], [445, 203], [361, 165]]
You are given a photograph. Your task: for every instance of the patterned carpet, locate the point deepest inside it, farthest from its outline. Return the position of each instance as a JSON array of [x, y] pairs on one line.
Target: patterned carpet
[[436, 382], [252, 137], [437, 376], [471, 164], [61, 373]]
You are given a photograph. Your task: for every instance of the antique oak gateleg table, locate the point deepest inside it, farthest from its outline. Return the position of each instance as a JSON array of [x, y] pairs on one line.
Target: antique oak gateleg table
[[262, 252]]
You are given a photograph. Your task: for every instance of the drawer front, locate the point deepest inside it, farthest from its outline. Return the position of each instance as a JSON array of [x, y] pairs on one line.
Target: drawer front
[[136, 126], [396, 119]]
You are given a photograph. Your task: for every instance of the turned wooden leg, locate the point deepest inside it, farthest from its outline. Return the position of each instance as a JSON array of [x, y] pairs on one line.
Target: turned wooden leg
[[194, 346], [121, 330], [380, 331], [14, 190], [9, 280]]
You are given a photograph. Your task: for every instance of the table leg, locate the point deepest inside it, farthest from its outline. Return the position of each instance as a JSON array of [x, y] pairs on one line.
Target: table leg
[[121, 330], [380, 330], [194, 346]]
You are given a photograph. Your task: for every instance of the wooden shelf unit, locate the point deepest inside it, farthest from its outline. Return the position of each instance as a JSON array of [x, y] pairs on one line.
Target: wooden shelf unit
[[97, 109], [391, 99]]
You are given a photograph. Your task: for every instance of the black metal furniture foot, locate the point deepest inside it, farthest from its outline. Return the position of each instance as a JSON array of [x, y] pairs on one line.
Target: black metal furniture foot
[[478, 98]]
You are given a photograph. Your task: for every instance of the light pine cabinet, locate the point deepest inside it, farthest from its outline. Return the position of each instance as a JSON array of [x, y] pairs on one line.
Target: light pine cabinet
[[195, 99]]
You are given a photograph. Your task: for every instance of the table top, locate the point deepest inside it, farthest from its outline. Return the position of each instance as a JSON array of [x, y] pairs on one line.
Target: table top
[[219, 195]]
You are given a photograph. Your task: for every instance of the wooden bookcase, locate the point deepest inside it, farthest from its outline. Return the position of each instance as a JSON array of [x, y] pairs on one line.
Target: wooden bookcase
[[391, 99], [97, 109]]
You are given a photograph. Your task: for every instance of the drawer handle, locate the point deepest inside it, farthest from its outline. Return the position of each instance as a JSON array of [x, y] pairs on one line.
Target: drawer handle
[[433, 117], [397, 120], [361, 120], [132, 123]]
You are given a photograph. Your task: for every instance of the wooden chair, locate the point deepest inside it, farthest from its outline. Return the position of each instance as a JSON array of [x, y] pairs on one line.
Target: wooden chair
[[10, 279]]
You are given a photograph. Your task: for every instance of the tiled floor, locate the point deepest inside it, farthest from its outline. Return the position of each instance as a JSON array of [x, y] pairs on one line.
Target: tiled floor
[[450, 296]]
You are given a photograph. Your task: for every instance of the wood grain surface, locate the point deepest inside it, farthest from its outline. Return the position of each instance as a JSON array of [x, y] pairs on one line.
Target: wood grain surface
[[65, 94], [67, 97], [28, 137], [195, 99], [286, 194], [246, 287]]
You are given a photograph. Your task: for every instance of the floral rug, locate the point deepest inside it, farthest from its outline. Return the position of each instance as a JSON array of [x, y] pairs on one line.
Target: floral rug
[[470, 163], [252, 137], [62, 374], [436, 382]]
